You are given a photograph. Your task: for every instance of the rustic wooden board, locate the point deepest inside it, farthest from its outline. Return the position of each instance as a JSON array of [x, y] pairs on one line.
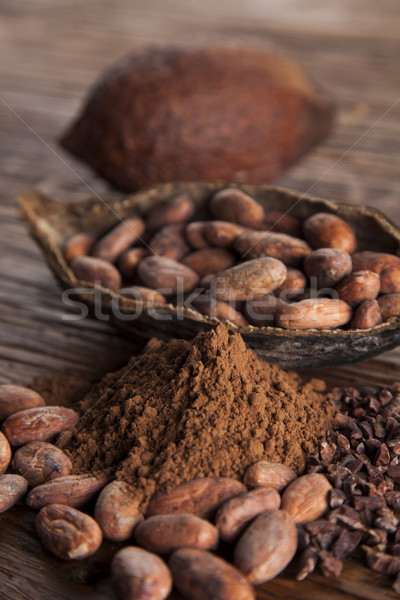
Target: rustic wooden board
[[49, 53]]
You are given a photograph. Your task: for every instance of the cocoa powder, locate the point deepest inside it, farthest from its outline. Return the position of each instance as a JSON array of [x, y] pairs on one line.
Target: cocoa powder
[[183, 410]]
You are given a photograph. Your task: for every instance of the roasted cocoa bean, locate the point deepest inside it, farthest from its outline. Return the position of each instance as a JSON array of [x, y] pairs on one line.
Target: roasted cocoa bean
[[195, 234], [293, 286], [251, 279], [306, 498], [266, 547], [14, 398], [269, 474], [389, 305], [237, 207], [209, 260], [216, 309], [325, 230], [117, 511], [67, 532], [387, 266], [222, 233], [79, 244], [73, 490], [170, 242], [255, 244], [315, 313], [175, 210], [129, 260], [233, 516], [359, 286], [327, 266], [38, 424], [96, 270], [40, 461], [367, 314], [5, 453], [12, 489], [116, 241], [140, 575], [166, 274]]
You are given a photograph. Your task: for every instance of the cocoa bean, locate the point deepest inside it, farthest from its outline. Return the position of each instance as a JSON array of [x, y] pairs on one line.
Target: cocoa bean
[[40, 461], [306, 498], [116, 241], [266, 547], [325, 230], [328, 266], [387, 266], [167, 274], [389, 305], [79, 244], [251, 279], [12, 489], [209, 260], [117, 512], [233, 516], [195, 234], [14, 398], [261, 311], [269, 474], [359, 286], [38, 424], [315, 313], [140, 575], [96, 270], [216, 309], [67, 532], [200, 497], [294, 285], [200, 575], [255, 244], [170, 242], [5, 453], [143, 294], [222, 233], [164, 534], [367, 314], [237, 207], [129, 260], [73, 490], [175, 210]]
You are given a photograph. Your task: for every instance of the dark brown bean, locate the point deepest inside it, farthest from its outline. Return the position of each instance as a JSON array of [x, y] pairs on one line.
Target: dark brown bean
[[233, 205], [327, 266], [209, 260], [386, 265], [73, 490], [38, 424], [217, 309], [251, 279], [167, 274], [129, 261], [195, 235], [40, 461], [116, 241], [96, 270], [325, 230], [222, 233], [14, 398], [389, 305], [12, 489], [175, 210], [359, 286], [79, 244], [170, 242], [294, 285], [289, 250], [368, 314]]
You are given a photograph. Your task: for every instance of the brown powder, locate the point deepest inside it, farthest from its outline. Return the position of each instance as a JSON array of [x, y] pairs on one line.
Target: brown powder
[[183, 410]]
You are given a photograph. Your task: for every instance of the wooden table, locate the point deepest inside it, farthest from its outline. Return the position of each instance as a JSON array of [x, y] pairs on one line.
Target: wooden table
[[50, 52]]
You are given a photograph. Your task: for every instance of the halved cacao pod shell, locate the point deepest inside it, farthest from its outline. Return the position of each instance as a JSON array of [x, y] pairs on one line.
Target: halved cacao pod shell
[[51, 223]]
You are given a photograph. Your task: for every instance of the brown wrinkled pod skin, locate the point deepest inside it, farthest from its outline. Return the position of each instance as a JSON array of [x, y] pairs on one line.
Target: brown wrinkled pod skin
[[129, 260], [266, 547], [270, 475], [233, 516], [217, 309], [315, 313], [89, 268], [359, 286], [5, 453], [12, 489], [79, 244], [177, 114], [325, 230], [178, 209], [389, 305], [306, 498], [164, 534], [140, 575], [157, 272], [199, 497], [14, 398], [170, 242], [386, 265], [200, 575], [40, 424], [328, 266], [67, 532], [222, 233], [40, 461], [73, 490], [117, 512], [251, 279], [286, 248], [119, 239], [209, 260], [367, 314]]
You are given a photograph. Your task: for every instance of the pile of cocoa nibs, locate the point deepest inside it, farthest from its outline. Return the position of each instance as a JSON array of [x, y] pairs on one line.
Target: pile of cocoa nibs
[[362, 462]]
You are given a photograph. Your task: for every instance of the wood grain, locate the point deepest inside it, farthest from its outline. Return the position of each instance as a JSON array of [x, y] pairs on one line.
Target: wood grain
[[50, 52]]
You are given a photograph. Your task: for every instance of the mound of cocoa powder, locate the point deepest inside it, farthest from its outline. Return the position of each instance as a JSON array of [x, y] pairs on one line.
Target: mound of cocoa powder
[[182, 410]]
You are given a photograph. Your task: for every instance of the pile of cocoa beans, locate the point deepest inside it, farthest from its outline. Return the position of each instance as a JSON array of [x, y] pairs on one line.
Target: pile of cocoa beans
[[244, 265], [259, 515]]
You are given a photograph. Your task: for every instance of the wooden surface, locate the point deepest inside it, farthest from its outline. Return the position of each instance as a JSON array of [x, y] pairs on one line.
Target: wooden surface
[[50, 51]]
